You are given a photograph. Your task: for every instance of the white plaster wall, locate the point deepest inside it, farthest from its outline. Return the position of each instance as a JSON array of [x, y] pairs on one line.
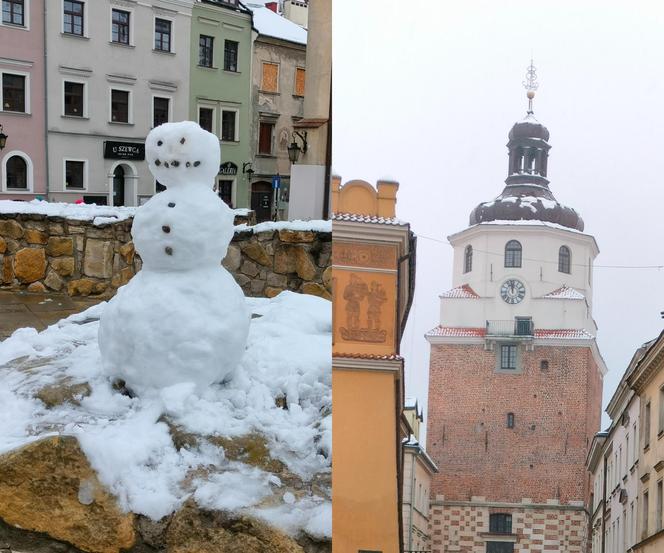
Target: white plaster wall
[[307, 190], [539, 273]]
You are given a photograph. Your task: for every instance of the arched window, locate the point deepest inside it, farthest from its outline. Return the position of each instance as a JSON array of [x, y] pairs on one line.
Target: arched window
[[564, 260], [468, 260], [17, 173], [513, 254]]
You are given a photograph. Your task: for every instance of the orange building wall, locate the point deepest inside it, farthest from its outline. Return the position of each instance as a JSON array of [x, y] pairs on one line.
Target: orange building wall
[[364, 495]]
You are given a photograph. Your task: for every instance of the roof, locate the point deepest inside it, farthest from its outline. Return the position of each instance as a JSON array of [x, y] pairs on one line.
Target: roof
[[358, 218], [269, 23], [543, 333], [463, 291], [565, 293], [392, 357]]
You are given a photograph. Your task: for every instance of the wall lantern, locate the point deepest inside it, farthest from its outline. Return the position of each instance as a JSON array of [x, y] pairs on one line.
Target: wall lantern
[[294, 149], [3, 139], [247, 168]]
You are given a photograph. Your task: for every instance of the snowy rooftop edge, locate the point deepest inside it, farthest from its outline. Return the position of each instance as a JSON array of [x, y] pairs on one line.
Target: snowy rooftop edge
[[527, 222], [269, 23]]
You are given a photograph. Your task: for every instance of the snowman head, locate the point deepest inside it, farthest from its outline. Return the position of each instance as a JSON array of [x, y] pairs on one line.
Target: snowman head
[[182, 154]]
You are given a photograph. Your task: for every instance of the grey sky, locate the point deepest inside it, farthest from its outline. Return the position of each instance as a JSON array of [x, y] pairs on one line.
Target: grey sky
[[426, 92]]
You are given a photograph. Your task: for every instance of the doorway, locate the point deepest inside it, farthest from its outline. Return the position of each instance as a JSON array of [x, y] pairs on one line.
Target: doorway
[[261, 200], [119, 186]]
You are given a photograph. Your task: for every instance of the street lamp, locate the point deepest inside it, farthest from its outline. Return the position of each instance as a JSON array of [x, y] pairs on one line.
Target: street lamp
[[294, 149], [247, 168], [3, 139]]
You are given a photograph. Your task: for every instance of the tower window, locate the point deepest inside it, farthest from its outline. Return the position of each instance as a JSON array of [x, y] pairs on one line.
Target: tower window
[[510, 420], [508, 357], [468, 260], [544, 365], [564, 260], [513, 254], [500, 523]]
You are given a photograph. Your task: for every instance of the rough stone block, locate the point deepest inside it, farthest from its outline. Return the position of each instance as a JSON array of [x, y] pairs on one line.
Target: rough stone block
[[80, 287], [12, 245], [60, 246], [233, 258], [10, 229], [127, 252], [271, 291], [296, 236], [7, 270], [315, 289], [56, 228], [34, 236], [98, 259], [327, 278], [37, 287], [53, 281], [278, 281], [249, 268], [64, 266], [3, 245], [290, 258], [255, 250], [30, 264]]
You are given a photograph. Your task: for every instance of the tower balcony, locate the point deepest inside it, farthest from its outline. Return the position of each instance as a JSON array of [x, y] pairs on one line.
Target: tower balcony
[[520, 327]]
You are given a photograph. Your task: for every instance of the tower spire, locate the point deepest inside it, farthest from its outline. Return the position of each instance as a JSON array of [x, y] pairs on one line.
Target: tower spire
[[531, 85]]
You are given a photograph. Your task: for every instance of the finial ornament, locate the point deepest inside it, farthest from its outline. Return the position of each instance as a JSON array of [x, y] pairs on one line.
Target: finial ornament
[[531, 84]]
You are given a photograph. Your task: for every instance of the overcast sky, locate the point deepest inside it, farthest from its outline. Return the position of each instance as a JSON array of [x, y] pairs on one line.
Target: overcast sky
[[425, 93]]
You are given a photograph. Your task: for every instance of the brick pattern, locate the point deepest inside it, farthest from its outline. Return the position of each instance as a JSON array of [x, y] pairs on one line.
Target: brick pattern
[[556, 413], [463, 529]]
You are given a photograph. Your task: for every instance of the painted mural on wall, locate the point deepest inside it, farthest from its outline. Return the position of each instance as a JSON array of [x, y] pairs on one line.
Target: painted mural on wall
[[363, 305]]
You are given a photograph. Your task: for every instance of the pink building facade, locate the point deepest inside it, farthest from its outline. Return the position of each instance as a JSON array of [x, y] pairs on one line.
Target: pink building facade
[[22, 100]]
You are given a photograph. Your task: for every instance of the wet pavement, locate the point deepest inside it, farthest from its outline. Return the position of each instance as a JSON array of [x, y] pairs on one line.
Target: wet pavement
[[21, 309]]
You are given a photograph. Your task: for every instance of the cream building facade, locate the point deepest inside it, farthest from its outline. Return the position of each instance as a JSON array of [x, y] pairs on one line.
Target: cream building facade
[[100, 113], [647, 380]]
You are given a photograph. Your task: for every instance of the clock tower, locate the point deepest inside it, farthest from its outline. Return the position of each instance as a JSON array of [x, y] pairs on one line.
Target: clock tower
[[515, 377]]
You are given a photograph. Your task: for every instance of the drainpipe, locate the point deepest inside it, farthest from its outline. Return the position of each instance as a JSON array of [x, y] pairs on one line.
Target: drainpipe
[[47, 168], [412, 494]]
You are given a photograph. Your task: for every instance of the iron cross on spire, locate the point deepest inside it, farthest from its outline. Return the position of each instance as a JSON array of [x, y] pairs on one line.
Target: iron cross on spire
[[531, 84]]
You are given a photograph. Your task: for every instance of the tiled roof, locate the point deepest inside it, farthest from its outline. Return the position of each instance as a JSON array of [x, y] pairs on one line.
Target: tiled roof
[[357, 218], [565, 293], [543, 333], [392, 357], [463, 291]]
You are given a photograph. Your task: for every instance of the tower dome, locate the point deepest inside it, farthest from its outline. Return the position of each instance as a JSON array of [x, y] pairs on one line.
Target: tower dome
[[526, 195]]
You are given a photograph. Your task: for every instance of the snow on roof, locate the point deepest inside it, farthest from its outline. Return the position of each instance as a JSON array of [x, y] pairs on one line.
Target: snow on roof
[[463, 291], [314, 225], [357, 218], [565, 293], [528, 222], [542, 333], [272, 24]]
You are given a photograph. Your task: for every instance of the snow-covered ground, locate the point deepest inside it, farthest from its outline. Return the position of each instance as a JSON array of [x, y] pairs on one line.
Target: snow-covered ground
[[127, 439]]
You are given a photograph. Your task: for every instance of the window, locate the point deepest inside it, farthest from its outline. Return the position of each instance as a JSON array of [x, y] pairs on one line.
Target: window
[[162, 35], [17, 173], [159, 111], [73, 17], [75, 174], [299, 81], [265, 138], [230, 55], [544, 365], [119, 106], [500, 523], [658, 511], [645, 514], [205, 45], [74, 99], [564, 260], [228, 119], [510, 420], [13, 92], [206, 118], [508, 357], [225, 191], [270, 80], [661, 411], [13, 12], [513, 254], [120, 26], [468, 260], [635, 440], [646, 429]]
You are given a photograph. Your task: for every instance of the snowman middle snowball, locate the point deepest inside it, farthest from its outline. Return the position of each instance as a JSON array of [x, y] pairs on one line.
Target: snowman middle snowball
[[182, 318]]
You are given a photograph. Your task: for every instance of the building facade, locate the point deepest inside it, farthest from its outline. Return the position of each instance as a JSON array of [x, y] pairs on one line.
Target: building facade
[[418, 468], [220, 102], [372, 281], [647, 380], [278, 77], [100, 113], [612, 466], [515, 379], [22, 100]]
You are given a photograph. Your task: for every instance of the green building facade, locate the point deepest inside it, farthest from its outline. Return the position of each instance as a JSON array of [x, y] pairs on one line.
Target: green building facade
[[220, 89]]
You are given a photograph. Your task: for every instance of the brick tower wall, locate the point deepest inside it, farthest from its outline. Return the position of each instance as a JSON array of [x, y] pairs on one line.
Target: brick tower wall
[[557, 412]]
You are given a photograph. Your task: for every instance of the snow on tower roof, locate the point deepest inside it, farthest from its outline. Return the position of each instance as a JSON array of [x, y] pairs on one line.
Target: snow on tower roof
[[565, 293], [357, 218], [463, 291], [542, 333], [274, 25]]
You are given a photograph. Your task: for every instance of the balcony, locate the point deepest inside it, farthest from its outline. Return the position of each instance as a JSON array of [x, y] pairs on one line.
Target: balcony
[[521, 327]]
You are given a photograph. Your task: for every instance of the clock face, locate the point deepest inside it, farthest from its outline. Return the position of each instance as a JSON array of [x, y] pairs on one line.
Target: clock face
[[512, 291]]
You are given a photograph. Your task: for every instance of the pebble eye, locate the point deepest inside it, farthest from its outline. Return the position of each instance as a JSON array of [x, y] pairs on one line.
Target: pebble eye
[[182, 140], [159, 142]]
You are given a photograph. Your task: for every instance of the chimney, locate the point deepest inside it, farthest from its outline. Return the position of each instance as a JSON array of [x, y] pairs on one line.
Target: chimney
[[271, 6]]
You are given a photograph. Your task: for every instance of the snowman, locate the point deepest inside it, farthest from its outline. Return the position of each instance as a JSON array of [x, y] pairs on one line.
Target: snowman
[[182, 318]]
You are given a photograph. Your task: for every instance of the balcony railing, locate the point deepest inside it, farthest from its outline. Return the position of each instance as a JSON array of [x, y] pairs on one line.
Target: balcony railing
[[517, 327]]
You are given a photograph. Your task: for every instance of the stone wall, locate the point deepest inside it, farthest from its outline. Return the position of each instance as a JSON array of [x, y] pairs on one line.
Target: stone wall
[[40, 253]]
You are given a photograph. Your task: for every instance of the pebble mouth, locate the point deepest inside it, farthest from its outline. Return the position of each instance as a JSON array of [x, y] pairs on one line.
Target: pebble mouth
[[175, 163]]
